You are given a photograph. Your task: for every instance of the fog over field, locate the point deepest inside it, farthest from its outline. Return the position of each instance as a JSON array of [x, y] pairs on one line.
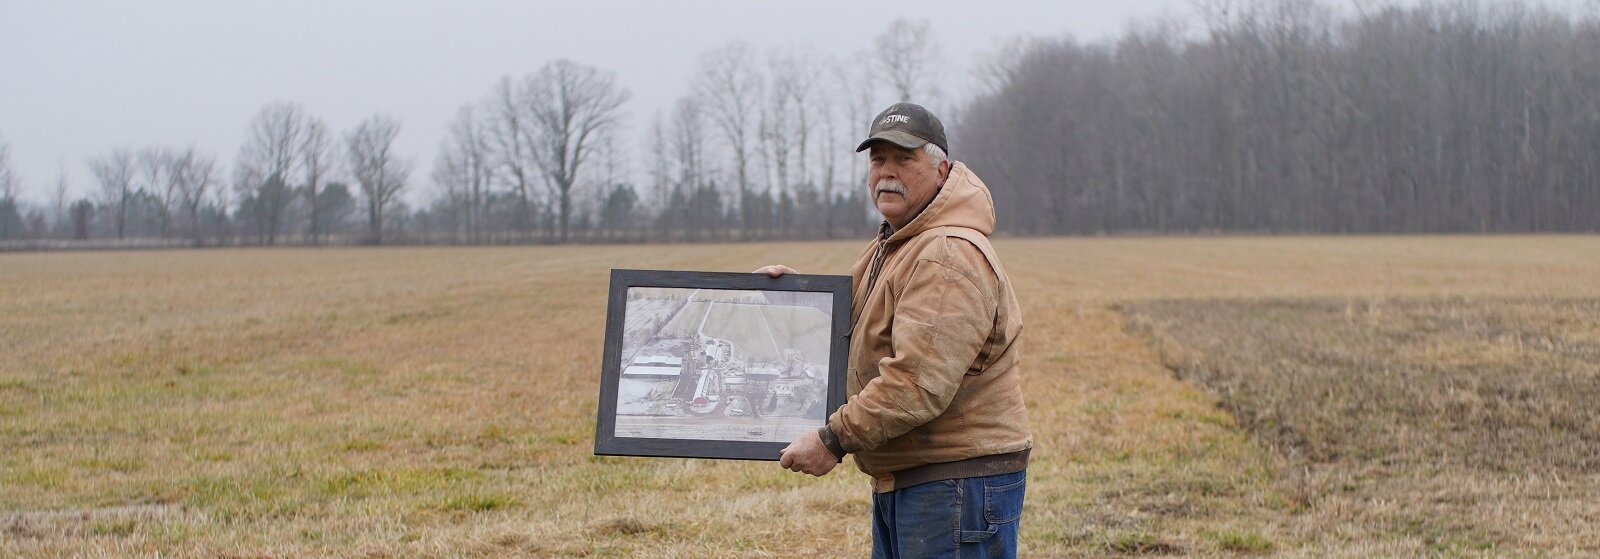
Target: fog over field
[[194, 74], [416, 123]]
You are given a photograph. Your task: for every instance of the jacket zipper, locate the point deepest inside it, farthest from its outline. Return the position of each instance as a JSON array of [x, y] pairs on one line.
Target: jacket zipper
[[878, 256]]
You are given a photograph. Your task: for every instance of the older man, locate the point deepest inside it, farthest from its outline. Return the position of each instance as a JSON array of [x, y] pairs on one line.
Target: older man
[[935, 413]]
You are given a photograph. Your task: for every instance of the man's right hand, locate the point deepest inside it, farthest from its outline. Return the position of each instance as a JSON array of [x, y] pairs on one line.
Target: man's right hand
[[775, 270], [808, 454]]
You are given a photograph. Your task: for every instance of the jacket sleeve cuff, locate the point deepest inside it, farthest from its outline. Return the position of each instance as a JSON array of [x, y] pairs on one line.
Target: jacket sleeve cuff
[[830, 440]]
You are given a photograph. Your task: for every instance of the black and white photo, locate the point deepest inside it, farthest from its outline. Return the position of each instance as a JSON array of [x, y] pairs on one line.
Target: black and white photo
[[718, 365]]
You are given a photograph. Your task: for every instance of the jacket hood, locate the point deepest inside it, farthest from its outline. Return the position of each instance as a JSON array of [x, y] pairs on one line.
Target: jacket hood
[[963, 201]]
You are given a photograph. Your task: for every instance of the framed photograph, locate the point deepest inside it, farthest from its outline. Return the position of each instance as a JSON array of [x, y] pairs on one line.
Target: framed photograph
[[719, 364]]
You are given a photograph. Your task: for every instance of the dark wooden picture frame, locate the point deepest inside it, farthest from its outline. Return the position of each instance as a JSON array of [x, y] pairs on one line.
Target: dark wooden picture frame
[[702, 380]]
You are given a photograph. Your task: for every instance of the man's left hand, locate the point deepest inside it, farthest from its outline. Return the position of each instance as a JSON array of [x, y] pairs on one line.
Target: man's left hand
[[807, 454], [775, 270]]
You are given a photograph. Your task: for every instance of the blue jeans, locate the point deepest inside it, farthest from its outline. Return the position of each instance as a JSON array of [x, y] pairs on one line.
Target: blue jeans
[[958, 518]]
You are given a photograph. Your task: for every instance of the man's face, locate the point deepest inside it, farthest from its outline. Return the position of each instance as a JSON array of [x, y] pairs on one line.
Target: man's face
[[901, 181]]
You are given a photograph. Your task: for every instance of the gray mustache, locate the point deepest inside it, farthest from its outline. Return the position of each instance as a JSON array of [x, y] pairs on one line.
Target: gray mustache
[[891, 185]]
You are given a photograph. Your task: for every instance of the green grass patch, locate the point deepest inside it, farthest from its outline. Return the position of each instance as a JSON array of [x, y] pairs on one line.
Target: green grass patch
[[1138, 543], [116, 464], [367, 483], [212, 492], [120, 527], [1240, 541], [44, 478], [249, 498]]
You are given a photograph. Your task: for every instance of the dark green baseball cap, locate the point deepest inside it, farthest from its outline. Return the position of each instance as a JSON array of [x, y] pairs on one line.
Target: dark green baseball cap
[[907, 125]]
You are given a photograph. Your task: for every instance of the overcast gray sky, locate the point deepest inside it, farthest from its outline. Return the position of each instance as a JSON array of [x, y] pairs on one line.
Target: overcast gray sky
[[78, 78]]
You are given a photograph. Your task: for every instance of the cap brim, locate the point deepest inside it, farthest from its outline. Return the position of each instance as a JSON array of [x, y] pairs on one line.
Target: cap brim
[[896, 137]]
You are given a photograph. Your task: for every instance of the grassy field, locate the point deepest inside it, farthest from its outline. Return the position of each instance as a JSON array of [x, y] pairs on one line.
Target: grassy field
[[1435, 426], [1351, 396]]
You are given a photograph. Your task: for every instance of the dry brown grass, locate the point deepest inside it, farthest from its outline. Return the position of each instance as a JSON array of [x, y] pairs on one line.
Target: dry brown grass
[[1419, 426], [440, 402]]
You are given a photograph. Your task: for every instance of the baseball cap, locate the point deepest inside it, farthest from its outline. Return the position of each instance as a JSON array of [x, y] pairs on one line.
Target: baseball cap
[[907, 125]]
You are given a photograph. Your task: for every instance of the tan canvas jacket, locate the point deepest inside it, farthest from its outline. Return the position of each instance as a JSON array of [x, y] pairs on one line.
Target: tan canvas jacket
[[934, 373]]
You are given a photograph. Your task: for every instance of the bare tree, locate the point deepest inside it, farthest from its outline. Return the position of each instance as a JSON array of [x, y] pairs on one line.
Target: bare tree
[[908, 55], [688, 139], [810, 69], [509, 130], [195, 175], [992, 70], [660, 161], [1283, 116], [10, 185], [836, 134], [776, 131], [691, 190], [318, 154], [729, 85], [158, 180], [786, 129], [267, 163], [11, 221], [464, 169], [857, 86], [450, 205], [115, 173], [574, 108], [58, 198], [380, 172]]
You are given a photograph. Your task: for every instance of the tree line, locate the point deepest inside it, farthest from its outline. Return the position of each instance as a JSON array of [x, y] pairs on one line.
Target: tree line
[[1287, 117], [759, 148], [1273, 116]]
